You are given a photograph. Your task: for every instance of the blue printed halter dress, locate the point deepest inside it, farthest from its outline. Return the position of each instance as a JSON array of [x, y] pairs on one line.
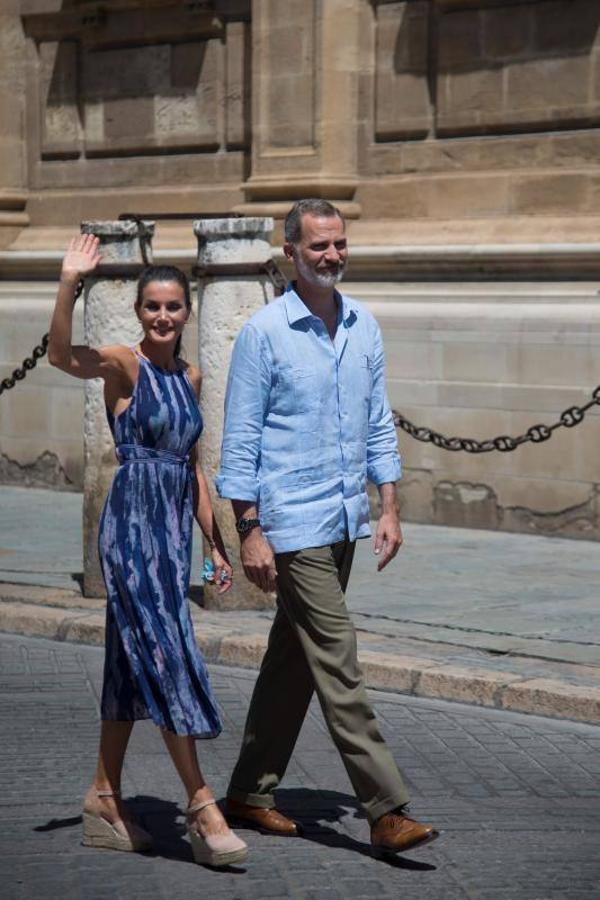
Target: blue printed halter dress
[[153, 668]]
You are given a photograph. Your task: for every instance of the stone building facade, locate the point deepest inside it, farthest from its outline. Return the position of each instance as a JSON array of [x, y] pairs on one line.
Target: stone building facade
[[459, 137]]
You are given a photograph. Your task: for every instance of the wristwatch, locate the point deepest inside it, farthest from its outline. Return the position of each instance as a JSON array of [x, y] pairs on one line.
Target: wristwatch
[[244, 526]]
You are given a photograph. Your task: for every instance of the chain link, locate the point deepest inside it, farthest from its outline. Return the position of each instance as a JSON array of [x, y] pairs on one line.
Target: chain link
[[30, 362], [537, 434], [275, 275]]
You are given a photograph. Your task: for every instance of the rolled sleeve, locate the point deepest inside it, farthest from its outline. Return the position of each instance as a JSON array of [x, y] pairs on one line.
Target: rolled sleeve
[[383, 458], [246, 401]]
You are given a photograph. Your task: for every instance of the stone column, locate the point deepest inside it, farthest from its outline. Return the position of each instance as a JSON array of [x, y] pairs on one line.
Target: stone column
[[225, 302], [109, 318], [13, 170]]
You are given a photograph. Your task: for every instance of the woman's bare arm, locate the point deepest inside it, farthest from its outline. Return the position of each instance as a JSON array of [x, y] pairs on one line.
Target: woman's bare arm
[[81, 259], [203, 509]]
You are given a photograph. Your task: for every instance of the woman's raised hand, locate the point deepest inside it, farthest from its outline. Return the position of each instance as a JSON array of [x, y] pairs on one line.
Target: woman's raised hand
[[82, 257]]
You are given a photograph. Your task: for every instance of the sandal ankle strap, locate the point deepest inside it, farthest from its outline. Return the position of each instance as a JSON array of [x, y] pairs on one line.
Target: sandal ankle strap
[[199, 806], [108, 793]]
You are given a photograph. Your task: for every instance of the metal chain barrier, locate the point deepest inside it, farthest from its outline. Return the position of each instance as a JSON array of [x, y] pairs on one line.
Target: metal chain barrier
[[30, 362], [537, 434], [268, 268]]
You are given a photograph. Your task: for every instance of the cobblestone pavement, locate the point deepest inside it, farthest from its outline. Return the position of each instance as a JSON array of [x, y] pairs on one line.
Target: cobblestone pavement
[[517, 798]]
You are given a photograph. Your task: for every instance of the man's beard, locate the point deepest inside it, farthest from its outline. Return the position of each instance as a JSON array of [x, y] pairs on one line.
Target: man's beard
[[318, 279]]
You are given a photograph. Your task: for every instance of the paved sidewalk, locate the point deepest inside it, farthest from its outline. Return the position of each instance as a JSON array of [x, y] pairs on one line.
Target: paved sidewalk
[[500, 620], [517, 798]]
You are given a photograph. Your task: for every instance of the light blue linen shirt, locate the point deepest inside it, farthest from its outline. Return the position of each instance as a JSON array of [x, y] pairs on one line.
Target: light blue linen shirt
[[307, 421]]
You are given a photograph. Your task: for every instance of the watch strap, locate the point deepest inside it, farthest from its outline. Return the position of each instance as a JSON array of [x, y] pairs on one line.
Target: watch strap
[[244, 526]]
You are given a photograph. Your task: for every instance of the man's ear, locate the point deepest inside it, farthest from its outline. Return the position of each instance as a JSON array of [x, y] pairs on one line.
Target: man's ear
[[288, 250]]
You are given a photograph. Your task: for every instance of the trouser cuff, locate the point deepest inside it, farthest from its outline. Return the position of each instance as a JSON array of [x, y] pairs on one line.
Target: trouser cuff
[[378, 808], [265, 801]]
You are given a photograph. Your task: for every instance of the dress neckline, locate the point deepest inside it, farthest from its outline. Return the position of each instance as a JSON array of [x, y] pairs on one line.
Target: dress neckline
[[159, 368]]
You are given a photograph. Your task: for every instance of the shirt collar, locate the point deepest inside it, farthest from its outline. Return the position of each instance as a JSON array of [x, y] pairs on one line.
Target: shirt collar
[[296, 308]]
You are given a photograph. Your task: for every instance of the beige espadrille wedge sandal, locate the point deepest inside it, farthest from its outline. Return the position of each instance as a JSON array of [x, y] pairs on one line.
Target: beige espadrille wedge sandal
[[99, 832], [214, 849]]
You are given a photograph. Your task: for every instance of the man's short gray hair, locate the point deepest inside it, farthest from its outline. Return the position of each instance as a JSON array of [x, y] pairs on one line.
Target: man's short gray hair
[[315, 207]]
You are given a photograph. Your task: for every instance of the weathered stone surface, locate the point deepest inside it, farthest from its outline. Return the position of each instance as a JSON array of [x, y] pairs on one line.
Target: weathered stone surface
[[464, 684], [402, 106], [238, 85], [62, 129], [289, 88], [507, 31], [566, 27], [543, 694], [506, 68], [45, 471], [13, 139], [224, 305]]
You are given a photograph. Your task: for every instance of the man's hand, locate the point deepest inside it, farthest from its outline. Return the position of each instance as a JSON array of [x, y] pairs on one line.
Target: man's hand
[[258, 560], [388, 537]]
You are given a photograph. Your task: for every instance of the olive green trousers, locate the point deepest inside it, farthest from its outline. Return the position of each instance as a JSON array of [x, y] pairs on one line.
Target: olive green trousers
[[312, 647]]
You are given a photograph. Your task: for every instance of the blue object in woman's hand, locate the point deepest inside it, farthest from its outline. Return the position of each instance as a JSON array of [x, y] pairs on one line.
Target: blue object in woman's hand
[[208, 570]]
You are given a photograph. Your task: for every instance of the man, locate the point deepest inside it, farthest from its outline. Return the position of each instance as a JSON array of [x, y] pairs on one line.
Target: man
[[307, 421]]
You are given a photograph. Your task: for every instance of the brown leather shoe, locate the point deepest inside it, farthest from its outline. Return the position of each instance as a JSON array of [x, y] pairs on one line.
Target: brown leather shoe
[[394, 832], [268, 821]]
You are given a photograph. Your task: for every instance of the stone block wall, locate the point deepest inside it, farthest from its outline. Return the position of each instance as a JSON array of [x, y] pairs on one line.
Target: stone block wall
[[479, 110], [482, 360], [127, 102], [461, 139]]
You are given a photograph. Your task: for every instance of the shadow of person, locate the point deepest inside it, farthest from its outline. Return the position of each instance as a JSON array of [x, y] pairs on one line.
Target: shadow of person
[[163, 819], [54, 824], [312, 809]]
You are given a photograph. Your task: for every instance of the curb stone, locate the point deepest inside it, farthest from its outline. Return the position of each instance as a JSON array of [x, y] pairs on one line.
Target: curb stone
[[54, 614]]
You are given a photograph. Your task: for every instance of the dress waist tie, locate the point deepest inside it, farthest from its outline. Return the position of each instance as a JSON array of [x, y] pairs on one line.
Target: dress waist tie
[[133, 453]]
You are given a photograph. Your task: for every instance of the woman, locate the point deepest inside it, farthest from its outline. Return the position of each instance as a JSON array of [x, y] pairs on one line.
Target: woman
[[153, 668]]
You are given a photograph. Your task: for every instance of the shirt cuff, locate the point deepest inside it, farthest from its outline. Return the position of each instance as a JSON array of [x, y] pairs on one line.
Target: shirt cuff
[[236, 487], [384, 471]]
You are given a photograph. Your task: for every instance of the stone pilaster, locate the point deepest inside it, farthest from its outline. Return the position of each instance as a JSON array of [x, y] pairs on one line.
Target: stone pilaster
[[305, 104], [13, 177], [225, 302], [109, 318]]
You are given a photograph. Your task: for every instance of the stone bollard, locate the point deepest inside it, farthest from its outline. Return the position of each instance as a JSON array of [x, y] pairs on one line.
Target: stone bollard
[[109, 318], [230, 290]]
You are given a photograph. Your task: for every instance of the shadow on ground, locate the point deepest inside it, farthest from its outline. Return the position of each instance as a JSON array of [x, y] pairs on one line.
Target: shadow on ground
[[314, 809]]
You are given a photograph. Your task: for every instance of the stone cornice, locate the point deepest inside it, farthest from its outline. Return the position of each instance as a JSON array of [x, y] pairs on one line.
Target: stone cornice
[[426, 262], [110, 22]]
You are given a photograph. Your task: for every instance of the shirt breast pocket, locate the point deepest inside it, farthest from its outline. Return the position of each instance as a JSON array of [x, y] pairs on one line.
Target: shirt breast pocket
[[306, 390]]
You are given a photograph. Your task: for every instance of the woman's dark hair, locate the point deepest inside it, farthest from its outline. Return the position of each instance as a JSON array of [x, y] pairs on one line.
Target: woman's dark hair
[[165, 273]]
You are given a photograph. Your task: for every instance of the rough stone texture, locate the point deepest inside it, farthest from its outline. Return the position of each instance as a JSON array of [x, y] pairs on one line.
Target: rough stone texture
[[542, 694], [13, 181], [45, 471], [499, 70], [290, 37], [62, 131], [303, 131], [402, 103], [224, 305], [109, 319]]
